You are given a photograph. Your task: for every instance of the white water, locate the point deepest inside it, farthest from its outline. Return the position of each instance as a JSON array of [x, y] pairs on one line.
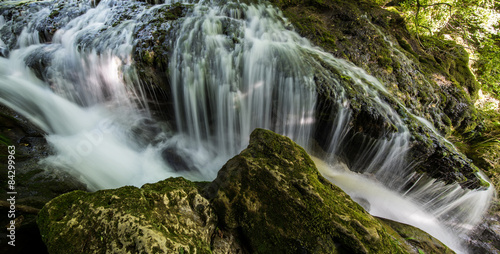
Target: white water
[[447, 222], [233, 69], [86, 107]]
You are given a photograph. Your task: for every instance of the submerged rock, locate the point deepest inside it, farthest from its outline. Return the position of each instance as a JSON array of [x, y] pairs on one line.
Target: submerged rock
[[268, 199]]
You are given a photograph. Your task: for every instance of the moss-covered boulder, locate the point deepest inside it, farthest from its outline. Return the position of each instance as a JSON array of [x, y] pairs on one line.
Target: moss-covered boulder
[[272, 196], [170, 216]]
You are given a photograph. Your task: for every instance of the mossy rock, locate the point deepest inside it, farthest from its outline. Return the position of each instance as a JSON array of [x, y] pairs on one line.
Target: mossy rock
[[417, 71], [272, 196], [166, 217]]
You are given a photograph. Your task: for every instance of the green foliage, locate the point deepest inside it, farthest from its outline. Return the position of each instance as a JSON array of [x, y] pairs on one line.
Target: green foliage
[[472, 23], [488, 65], [427, 16]]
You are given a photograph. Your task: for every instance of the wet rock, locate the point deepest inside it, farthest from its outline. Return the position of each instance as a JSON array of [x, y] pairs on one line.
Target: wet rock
[[4, 52], [50, 16], [485, 238], [176, 161], [155, 37], [420, 80], [430, 78]]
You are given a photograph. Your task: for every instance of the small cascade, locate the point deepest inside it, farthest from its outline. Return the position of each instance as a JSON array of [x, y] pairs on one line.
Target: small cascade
[[446, 212], [381, 201], [460, 210]]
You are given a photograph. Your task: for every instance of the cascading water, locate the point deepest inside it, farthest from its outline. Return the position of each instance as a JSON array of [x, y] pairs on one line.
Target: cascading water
[[227, 86], [85, 105], [233, 68]]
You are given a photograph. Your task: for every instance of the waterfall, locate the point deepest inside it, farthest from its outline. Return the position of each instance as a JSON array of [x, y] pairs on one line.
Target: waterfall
[[87, 103], [227, 86], [233, 68]]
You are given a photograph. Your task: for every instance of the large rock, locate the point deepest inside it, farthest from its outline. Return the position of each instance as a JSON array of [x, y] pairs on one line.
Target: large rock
[[272, 196], [166, 217], [429, 76], [268, 199], [425, 77]]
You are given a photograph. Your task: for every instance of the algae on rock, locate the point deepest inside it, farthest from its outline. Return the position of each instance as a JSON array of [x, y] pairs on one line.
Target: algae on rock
[[414, 239]]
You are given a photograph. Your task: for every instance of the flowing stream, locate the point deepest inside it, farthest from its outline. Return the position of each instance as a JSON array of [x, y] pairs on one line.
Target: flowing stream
[[233, 68]]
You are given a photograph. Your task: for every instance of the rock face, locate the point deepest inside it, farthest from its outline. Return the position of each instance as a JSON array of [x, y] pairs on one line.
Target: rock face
[[429, 77], [426, 77], [268, 199]]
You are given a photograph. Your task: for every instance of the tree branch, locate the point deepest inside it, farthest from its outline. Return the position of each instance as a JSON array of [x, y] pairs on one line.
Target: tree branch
[[22, 208]]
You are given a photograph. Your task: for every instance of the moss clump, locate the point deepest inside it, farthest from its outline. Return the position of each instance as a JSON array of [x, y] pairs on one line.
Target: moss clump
[[54, 13], [482, 144]]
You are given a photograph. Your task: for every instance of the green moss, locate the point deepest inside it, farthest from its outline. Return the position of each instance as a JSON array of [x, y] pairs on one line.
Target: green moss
[[54, 13], [403, 42], [453, 61], [310, 25], [148, 57]]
